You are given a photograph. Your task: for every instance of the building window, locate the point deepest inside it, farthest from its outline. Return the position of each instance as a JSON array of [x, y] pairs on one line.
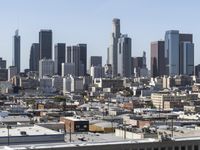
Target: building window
[[196, 147], [176, 148], [183, 148], [190, 147], [170, 148]]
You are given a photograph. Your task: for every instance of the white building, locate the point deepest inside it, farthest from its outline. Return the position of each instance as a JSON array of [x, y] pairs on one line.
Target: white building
[[72, 84], [66, 85], [46, 67], [68, 69]]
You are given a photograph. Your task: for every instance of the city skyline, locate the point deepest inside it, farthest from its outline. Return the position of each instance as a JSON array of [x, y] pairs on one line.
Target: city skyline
[[139, 19]]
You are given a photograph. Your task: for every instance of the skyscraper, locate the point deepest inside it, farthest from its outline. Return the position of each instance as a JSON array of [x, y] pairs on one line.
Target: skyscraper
[[95, 61], [157, 59], [112, 50], [186, 58], [16, 51], [124, 56], [68, 54], [78, 55], [179, 53], [83, 57], [45, 41], [59, 57], [34, 57], [172, 52]]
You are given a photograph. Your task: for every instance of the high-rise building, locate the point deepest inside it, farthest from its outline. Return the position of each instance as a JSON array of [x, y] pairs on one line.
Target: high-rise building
[[187, 63], [97, 72], [179, 53], [45, 41], [59, 57], [2, 63], [46, 67], [83, 57], [78, 55], [124, 56], [95, 61], [157, 59], [68, 69], [12, 71], [68, 54], [172, 52], [108, 70], [34, 57], [186, 54], [112, 50], [3, 74], [16, 51], [197, 70]]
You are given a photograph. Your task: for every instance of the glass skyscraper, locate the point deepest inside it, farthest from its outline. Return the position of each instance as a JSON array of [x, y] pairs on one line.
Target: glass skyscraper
[[45, 41]]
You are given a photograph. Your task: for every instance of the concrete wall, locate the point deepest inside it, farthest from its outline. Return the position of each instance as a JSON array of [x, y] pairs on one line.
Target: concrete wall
[[31, 139], [131, 146]]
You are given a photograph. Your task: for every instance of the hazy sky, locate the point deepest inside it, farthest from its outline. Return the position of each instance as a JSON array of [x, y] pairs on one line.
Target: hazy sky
[[90, 21]]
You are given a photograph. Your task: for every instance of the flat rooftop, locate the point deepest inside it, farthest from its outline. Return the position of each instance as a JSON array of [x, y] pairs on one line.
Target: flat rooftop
[[91, 140], [30, 130], [75, 118]]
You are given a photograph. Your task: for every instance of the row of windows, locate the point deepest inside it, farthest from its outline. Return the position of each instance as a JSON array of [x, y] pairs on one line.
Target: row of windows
[[189, 147]]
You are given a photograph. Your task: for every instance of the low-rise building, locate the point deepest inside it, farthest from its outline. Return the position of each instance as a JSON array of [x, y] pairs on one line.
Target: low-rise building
[[75, 124]]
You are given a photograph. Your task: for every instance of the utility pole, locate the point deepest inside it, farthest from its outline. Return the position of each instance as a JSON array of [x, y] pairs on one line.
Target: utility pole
[[8, 127], [172, 128], [70, 133]]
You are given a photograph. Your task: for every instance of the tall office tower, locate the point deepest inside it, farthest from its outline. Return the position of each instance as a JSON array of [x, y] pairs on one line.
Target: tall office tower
[[186, 56], [45, 41], [176, 47], [144, 60], [78, 55], [68, 54], [16, 51], [112, 51], [75, 58], [2, 63], [59, 57], [83, 57], [96, 61], [46, 67], [34, 57], [172, 52], [124, 56], [157, 58]]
